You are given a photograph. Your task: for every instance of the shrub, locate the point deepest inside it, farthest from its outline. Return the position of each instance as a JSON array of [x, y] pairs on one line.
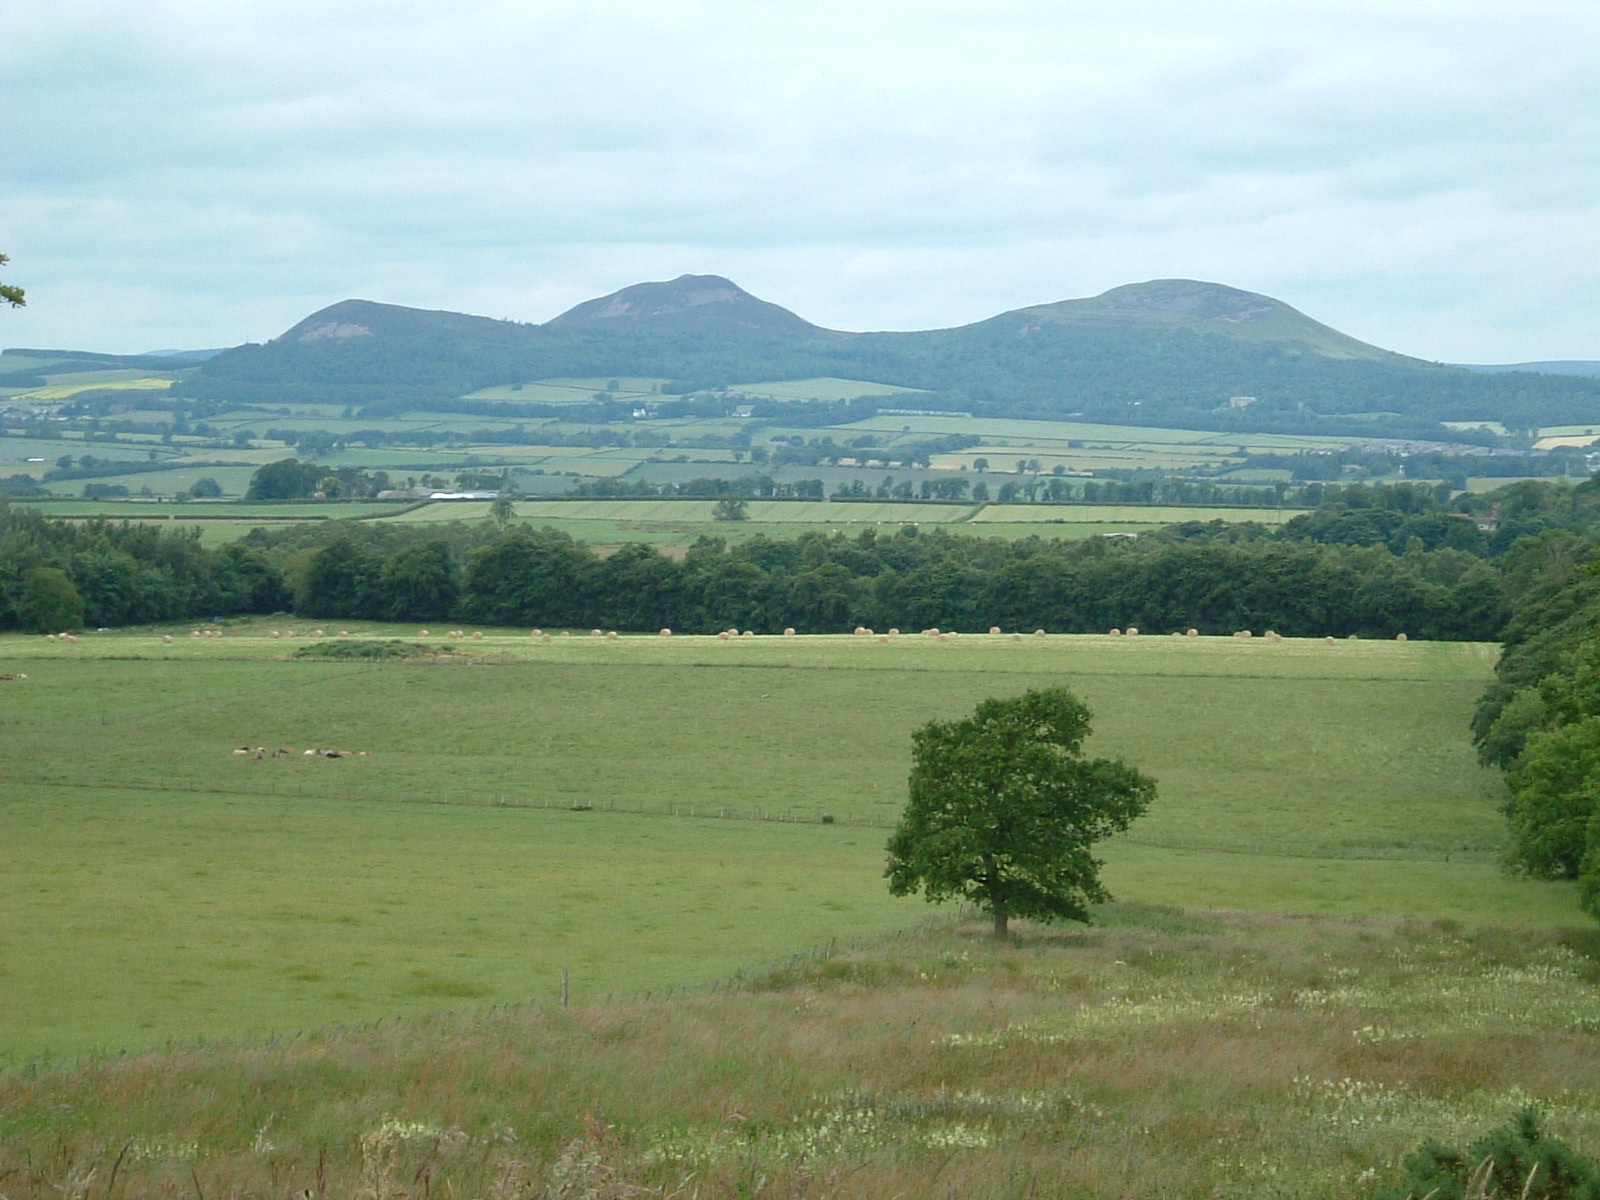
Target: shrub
[[1516, 1162]]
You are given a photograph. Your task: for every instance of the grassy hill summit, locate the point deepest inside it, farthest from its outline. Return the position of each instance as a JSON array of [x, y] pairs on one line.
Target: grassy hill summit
[[689, 301], [1210, 308]]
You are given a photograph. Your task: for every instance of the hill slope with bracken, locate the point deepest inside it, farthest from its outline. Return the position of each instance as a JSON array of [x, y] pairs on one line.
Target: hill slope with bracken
[[1163, 352]]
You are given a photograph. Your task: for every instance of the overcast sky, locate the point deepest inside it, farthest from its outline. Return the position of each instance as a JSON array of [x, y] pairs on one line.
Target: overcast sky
[[1422, 174]]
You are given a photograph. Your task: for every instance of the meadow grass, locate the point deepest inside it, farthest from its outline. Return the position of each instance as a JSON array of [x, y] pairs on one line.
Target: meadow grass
[[1161, 1053], [650, 811]]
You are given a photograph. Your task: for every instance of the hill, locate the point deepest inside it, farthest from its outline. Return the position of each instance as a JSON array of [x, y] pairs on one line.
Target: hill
[[688, 302], [1164, 352]]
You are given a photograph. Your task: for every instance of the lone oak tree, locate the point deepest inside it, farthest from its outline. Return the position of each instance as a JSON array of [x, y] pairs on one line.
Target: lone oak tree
[[1004, 807]]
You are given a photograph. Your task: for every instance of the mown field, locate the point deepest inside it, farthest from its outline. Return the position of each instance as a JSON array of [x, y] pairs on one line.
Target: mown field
[[648, 812]]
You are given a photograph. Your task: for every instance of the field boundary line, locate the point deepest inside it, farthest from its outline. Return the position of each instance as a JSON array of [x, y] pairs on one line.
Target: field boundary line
[[842, 818]]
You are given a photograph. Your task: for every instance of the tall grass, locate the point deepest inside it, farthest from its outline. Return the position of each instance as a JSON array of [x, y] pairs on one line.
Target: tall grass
[[1162, 1053]]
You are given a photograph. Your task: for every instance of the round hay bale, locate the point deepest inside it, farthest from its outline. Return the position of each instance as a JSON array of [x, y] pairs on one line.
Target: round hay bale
[[346, 633], [1355, 637], [1133, 631], [194, 633], [536, 633], [50, 637], [723, 636], [544, 637], [1116, 633], [422, 633], [748, 633], [597, 633], [1400, 637], [478, 634], [1328, 641], [1191, 633], [860, 631], [666, 633], [611, 635], [883, 640], [316, 633], [944, 637], [1016, 637], [894, 632], [274, 635], [789, 632], [1038, 633], [994, 629], [166, 639]]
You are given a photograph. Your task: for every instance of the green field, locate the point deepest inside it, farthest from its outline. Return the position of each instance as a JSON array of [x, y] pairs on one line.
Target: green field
[[678, 522], [699, 512], [1015, 433], [647, 811], [1148, 514]]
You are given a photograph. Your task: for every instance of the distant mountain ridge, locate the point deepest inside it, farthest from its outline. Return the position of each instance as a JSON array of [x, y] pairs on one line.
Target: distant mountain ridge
[[1163, 352]]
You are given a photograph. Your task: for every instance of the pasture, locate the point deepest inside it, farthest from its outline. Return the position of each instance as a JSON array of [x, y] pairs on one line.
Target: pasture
[[649, 812], [675, 524]]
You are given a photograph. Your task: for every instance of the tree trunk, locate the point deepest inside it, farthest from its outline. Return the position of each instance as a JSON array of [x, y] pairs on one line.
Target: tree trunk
[[1000, 931]]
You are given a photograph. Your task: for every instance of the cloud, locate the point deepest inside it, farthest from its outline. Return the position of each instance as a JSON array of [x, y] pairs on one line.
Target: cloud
[[1421, 174]]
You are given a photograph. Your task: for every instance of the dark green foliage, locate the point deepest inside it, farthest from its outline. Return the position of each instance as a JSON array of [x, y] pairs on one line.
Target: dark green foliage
[[418, 584], [9, 292], [48, 601], [1217, 580], [363, 650], [291, 479], [1540, 719], [1004, 808], [342, 581], [1555, 784], [1518, 1161], [529, 577], [126, 574]]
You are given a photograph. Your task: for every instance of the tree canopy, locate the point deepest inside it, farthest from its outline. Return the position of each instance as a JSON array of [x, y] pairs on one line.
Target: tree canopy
[[1004, 808], [10, 293]]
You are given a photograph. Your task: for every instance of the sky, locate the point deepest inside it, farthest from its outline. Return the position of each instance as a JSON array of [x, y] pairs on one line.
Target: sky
[[183, 174]]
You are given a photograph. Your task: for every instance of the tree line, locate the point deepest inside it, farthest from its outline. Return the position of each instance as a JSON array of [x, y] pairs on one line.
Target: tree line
[[60, 575], [1539, 721], [1214, 579], [1369, 561]]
